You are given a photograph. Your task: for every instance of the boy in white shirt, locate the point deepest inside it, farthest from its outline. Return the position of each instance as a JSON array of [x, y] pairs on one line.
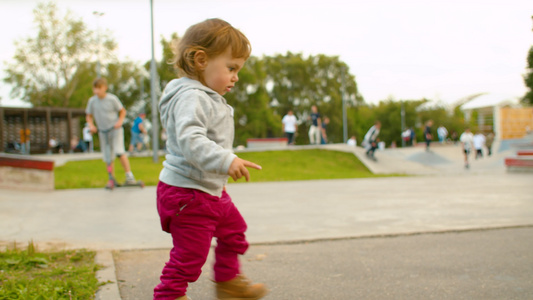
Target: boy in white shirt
[[290, 126], [479, 142], [467, 140]]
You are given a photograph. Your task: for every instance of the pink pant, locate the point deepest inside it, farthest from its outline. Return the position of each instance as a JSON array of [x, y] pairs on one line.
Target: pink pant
[[193, 218]]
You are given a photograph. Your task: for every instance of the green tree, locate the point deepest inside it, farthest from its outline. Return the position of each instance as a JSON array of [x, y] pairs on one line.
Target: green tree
[[58, 65], [165, 69], [297, 82], [48, 69], [271, 85], [528, 79], [360, 119], [254, 116], [125, 79]]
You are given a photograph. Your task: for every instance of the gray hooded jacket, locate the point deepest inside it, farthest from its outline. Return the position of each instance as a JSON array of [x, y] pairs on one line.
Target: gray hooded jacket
[[200, 129]]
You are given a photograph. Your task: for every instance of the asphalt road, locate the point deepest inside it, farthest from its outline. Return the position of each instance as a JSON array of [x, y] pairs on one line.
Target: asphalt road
[[480, 264]]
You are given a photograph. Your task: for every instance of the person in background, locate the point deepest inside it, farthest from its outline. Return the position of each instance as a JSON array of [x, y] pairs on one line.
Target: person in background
[[25, 141], [453, 136], [76, 145], [442, 133], [467, 142], [370, 142], [427, 134], [324, 131], [87, 138], [488, 142], [316, 125], [106, 110], [137, 132], [55, 145], [290, 126], [412, 139], [406, 136], [479, 142], [352, 141]]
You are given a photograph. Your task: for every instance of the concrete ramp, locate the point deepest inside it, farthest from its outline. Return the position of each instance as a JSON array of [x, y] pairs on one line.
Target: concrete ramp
[[388, 162], [442, 159], [427, 158]]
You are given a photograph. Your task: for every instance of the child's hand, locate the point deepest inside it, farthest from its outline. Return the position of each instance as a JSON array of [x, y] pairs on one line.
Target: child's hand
[[92, 128], [238, 169]]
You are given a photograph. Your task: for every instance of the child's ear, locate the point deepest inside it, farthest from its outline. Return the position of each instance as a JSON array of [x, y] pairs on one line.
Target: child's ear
[[200, 59]]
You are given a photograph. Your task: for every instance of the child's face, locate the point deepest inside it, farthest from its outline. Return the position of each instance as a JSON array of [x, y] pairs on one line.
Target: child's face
[[100, 91], [220, 74]]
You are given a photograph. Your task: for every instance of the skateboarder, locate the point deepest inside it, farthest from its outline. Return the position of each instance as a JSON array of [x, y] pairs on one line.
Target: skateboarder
[[370, 141]]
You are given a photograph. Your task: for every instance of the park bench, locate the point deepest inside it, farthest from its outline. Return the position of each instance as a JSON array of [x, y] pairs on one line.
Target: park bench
[[266, 143], [25, 172]]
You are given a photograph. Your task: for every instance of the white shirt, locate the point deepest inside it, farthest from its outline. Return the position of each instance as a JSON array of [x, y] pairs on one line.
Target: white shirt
[[87, 135], [352, 142], [52, 143], [441, 131], [467, 138], [479, 141], [372, 134], [289, 123]]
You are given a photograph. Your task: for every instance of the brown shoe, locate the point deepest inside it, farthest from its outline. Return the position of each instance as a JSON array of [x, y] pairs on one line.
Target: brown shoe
[[240, 288], [183, 298]]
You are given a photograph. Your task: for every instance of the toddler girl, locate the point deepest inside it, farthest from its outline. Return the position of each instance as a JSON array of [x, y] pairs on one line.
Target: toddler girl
[[191, 198]]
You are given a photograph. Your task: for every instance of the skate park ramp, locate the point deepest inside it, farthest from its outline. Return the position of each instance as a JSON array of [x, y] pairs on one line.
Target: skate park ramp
[[427, 158], [441, 159]]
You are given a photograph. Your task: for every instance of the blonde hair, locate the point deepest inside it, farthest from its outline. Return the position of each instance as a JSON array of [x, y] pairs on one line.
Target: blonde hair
[[213, 36]]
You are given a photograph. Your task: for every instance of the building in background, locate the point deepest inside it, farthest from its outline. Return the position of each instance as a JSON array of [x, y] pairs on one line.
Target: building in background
[[43, 124], [510, 121]]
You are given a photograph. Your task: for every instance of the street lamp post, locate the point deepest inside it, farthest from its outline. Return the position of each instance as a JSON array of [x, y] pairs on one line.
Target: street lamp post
[[98, 15], [153, 74], [344, 116], [403, 121]]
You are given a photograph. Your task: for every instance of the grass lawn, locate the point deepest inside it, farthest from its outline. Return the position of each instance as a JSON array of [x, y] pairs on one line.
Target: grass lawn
[[277, 166], [28, 274]]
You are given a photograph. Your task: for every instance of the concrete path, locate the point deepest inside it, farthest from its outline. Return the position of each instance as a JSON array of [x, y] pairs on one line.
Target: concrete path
[[276, 212], [474, 265], [444, 197]]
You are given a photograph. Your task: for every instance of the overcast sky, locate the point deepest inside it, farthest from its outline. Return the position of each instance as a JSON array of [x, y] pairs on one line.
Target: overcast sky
[[409, 49]]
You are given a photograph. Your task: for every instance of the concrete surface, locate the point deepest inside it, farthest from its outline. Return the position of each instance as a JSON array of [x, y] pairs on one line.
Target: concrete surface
[[25, 172], [107, 273], [310, 226], [276, 212], [484, 265], [26, 179]]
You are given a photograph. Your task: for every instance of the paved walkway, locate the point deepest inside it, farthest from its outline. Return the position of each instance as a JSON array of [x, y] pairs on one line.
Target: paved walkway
[[450, 198], [276, 212], [445, 198], [474, 265]]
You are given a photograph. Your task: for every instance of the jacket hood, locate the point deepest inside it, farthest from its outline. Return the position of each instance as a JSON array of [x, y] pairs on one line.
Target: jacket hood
[[174, 89]]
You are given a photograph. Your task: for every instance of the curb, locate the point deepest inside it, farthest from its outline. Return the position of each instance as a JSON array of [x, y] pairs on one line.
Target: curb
[[106, 275]]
